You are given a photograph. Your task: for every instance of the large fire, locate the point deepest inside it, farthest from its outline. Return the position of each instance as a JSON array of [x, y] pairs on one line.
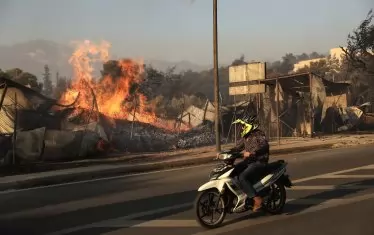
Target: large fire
[[116, 97]]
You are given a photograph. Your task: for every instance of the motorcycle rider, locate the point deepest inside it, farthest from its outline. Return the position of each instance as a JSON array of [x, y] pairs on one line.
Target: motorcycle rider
[[256, 156]]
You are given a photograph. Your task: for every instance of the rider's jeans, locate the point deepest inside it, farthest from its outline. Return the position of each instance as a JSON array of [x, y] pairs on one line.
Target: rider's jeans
[[253, 168]]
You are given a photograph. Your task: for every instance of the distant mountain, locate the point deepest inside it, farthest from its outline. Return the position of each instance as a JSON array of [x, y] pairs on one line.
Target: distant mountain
[[31, 56]]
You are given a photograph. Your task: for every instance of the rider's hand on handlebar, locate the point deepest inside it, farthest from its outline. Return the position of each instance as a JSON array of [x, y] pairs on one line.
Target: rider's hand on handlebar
[[247, 155], [217, 155]]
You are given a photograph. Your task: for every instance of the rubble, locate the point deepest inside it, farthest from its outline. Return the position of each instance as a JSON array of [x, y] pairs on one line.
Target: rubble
[[355, 117], [197, 137], [147, 138], [354, 141]]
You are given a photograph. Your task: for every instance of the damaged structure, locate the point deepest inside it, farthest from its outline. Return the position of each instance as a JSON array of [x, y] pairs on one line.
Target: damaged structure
[[293, 105], [35, 130]]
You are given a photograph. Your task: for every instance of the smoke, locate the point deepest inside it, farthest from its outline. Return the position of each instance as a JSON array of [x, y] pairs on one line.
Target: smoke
[[189, 2]]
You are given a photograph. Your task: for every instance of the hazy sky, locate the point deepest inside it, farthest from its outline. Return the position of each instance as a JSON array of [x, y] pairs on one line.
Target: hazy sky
[[176, 30]]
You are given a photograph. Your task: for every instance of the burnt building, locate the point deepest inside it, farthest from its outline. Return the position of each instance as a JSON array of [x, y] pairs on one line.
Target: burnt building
[[287, 106]]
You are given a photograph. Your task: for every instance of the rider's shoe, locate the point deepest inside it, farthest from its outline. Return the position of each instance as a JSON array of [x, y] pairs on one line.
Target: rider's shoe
[[257, 203]]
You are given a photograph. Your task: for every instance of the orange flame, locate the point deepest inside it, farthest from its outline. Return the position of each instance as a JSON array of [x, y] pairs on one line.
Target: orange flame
[[114, 96]]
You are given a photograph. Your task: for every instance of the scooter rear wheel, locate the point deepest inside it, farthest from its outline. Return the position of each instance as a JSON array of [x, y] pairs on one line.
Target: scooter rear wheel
[[276, 199]]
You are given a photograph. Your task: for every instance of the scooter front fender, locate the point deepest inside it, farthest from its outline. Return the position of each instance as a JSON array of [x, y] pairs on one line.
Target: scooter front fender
[[218, 184]]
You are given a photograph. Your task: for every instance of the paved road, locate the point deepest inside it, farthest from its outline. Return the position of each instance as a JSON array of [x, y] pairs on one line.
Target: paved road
[[161, 202]]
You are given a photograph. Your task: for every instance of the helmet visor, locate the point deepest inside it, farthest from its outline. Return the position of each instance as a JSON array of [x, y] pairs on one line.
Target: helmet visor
[[246, 127]]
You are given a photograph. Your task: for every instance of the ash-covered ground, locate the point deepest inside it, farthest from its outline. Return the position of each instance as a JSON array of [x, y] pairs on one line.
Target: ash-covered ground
[[148, 138], [128, 136]]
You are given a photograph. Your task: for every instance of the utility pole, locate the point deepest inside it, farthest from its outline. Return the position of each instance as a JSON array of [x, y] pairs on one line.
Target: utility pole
[[216, 80]]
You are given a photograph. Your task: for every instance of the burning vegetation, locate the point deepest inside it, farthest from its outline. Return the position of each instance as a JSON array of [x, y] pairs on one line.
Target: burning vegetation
[[116, 95]]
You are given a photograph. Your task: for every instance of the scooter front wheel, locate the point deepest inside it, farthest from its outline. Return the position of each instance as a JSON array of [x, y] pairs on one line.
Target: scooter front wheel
[[207, 204]]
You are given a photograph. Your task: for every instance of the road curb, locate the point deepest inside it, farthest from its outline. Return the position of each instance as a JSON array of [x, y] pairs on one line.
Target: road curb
[[300, 149], [34, 180]]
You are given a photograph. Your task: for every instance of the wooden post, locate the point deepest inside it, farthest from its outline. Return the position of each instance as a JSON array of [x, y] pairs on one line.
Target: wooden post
[[229, 132], [133, 119], [258, 100], [304, 114], [15, 129], [3, 95], [235, 119], [220, 116], [235, 128], [270, 119], [216, 78], [311, 106], [277, 111], [205, 109], [183, 108]]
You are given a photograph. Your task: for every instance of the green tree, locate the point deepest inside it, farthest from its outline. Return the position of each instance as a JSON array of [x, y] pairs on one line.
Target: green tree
[[326, 67], [287, 63], [303, 56], [3, 74], [30, 80], [14, 73], [111, 68], [272, 69], [359, 55], [360, 46], [239, 61], [315, 55], [61, 87], [47, 82], [57, 76], [151, 80], [24, 78]]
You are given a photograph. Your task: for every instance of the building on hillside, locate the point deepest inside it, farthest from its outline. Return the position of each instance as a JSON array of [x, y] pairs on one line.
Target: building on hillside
[[337, 52], [305, 63]]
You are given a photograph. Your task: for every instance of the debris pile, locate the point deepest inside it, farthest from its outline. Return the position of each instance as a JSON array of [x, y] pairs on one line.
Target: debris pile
[[147, 138], [200, 136], [352, 118], [355, 117], [134, 125], [134, 136]]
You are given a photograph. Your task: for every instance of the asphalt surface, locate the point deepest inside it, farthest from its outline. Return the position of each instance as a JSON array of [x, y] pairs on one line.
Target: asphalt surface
[[324, 201]]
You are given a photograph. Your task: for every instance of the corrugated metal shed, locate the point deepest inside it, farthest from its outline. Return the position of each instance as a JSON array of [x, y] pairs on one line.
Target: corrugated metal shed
[[27, 99]]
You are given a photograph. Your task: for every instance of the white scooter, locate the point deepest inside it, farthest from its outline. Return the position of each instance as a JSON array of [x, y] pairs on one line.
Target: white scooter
[[221, 193]]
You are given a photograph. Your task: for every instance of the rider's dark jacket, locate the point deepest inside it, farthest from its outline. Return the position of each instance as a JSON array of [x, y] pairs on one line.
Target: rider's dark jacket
[[255, 143]]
